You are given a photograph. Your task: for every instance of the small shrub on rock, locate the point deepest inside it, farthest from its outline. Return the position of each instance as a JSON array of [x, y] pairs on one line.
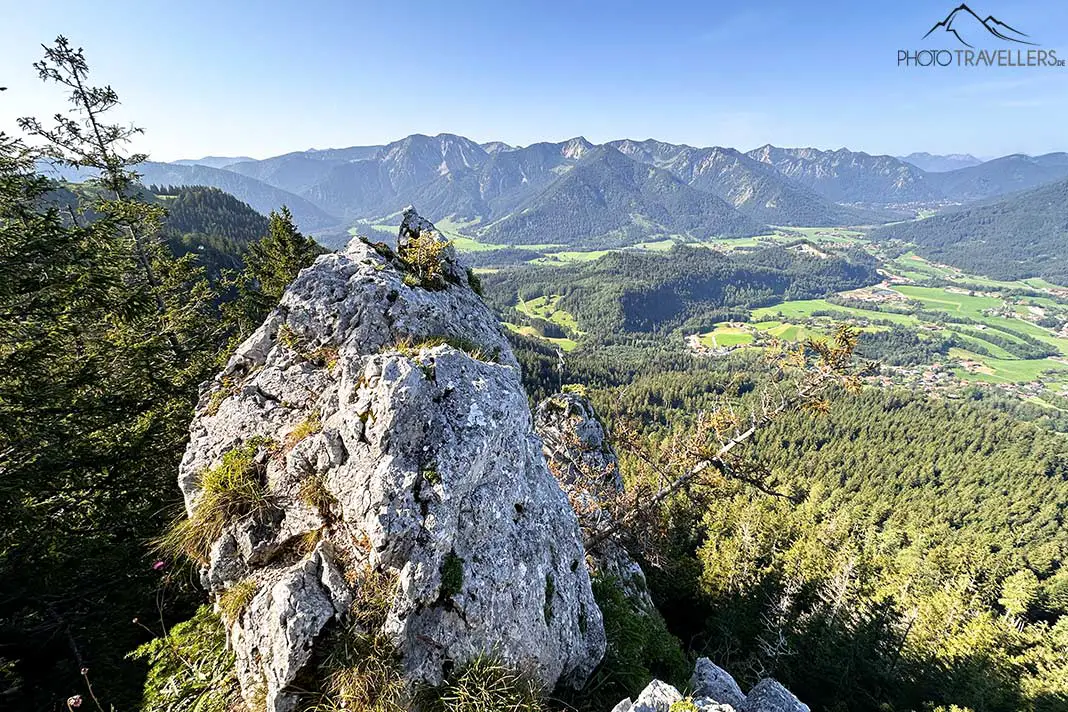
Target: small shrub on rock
[[474, 282], [424, 254]]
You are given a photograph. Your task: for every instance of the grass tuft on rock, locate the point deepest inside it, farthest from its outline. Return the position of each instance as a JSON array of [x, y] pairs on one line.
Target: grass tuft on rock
[[484, 685], [411, 348], [360, 668], [306, 428], [325, 356], [234, 600], [232, 489], [314, 493], [227, 388]]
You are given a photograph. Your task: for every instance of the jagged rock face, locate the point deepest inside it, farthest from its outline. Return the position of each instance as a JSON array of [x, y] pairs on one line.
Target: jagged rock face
[[425, 464], [581, 457], [575, 442], [656, 697]]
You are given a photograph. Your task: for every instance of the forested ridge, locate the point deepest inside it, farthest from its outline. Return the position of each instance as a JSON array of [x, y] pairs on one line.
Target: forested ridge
[[1014, 238], [688, 286], [207, 221]]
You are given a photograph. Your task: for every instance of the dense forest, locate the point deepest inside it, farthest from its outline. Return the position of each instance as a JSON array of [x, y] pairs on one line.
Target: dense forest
[[915, 561], [107, 334], [213, 224], [686, 287], [1013, 238]]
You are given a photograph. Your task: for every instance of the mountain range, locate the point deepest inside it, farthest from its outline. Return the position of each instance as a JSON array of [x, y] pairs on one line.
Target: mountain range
[[940, 164], [585, 195]]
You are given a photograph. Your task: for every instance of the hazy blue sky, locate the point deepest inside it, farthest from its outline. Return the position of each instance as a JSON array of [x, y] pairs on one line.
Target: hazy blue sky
[[262, 78]]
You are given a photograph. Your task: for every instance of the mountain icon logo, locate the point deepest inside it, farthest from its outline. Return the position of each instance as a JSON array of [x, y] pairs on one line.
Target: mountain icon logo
[[964, 24]]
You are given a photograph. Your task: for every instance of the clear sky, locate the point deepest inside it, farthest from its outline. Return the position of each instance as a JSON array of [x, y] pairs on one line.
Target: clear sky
[[234, 77]]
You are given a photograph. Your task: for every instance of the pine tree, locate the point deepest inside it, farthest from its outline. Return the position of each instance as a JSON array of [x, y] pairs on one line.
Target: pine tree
[[271, 264], [104, 337]]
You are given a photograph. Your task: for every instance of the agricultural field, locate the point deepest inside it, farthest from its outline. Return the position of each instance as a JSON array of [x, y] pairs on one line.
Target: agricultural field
[[804, 309], [984, 357], [831, 235], [916, 268], [725, 337], [546, 308], [757, 334], [564, 344], [566, 256]]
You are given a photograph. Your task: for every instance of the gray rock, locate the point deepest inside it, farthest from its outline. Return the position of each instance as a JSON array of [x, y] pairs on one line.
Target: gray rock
[[413, 420], [710, 680], [583, 460], [658, 696], [770, 696], [707, 704], [575, 441], [293, 605], [623, 706]]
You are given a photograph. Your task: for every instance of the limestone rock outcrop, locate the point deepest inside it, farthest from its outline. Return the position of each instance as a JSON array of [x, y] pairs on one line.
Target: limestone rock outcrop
[[770, 696], [388, 431]]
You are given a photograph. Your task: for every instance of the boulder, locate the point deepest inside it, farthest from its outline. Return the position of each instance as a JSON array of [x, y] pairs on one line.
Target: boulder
[[711, 681], [657, 696], [770, 696]]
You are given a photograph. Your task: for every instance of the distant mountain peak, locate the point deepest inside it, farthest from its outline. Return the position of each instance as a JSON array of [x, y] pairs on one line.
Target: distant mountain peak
[[211, 161], [497, 147], [935, 163], [576, 147]]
